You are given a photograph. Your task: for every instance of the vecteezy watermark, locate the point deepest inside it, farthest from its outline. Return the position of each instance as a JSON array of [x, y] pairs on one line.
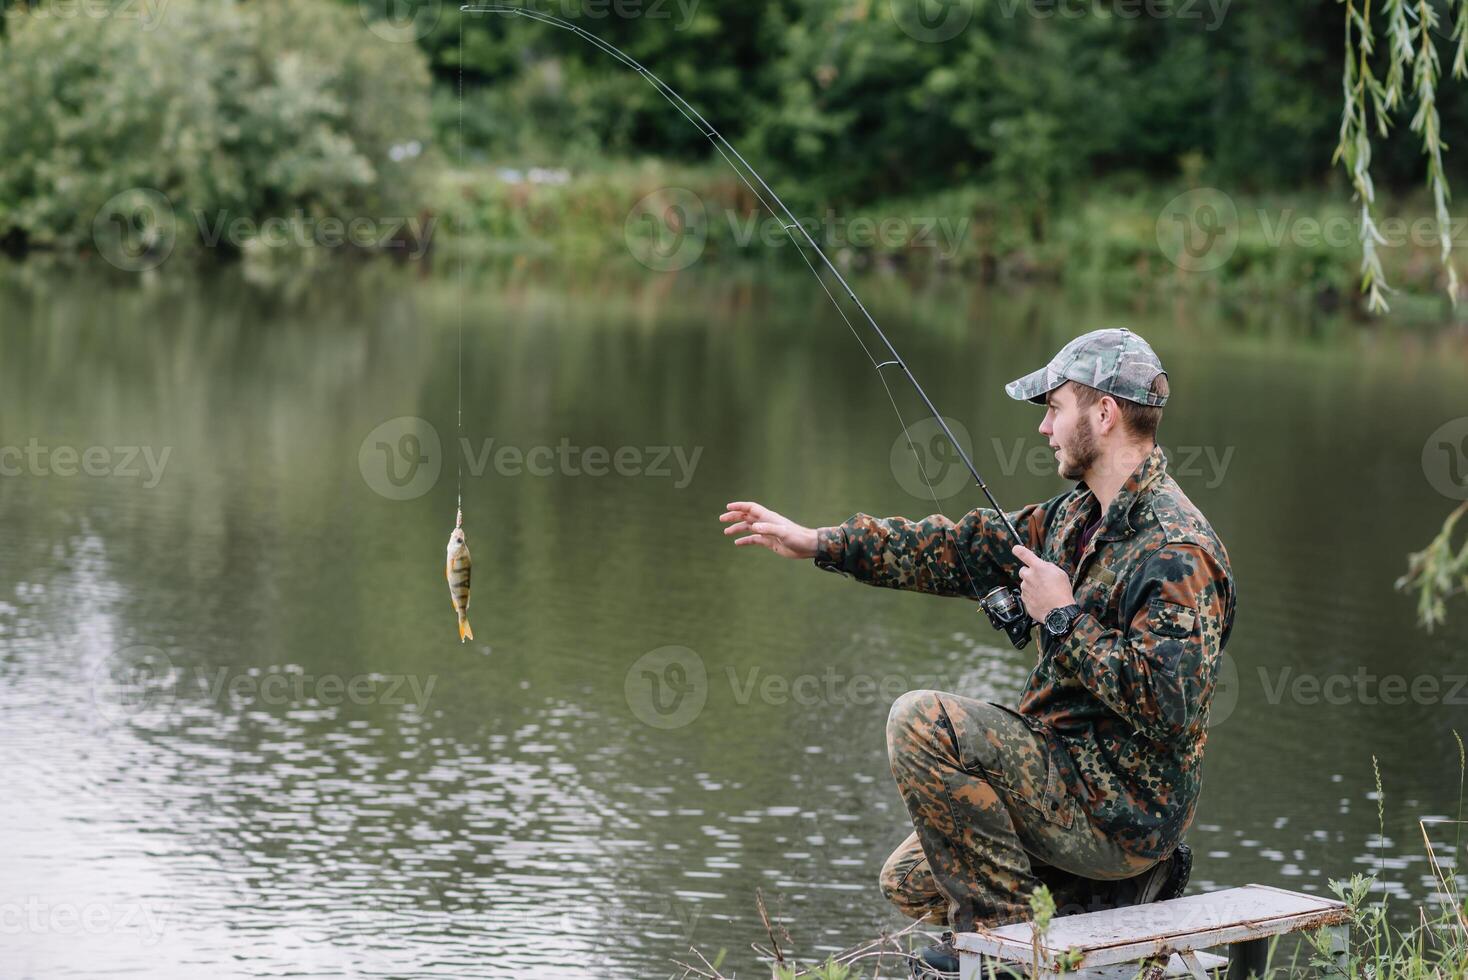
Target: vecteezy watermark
[[935, 21], [932, 21], [945, 235], [137, 229], [925, 462], [1210, 12], [1445, 459], [668, 230], [1199, 229], [148, 13], [666, 688], [36, 916], [132, 682], [145, 463], [566, 459], [1207, 463], [1364, 687], [412, 235], [400, 20], [681, 12], [401, 459], [143, 684]]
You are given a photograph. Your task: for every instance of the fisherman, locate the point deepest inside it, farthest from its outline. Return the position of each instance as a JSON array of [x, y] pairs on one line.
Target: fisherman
[[1091, 784]]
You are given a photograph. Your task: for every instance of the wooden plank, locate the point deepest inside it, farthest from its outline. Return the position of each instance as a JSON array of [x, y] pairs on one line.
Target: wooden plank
[[1175, 968], [1192, 922], [1120, 971]]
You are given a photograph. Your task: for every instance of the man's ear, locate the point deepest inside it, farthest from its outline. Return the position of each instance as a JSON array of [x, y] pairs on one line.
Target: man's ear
[[1108, 414]]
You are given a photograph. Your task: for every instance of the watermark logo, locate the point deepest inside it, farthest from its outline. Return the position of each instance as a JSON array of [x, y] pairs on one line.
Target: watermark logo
[[1211, 12], [401, 458], [136, 229], [1225, 690], [932, 21], [148, 13], [1445, 459], [926, 463], [141, 684], [567, 459], [410, 235], [400, 20], [132, 682], [666, 688], [145, 463], [1199, 229], [34, 916], [667, 229], [1364, 687]]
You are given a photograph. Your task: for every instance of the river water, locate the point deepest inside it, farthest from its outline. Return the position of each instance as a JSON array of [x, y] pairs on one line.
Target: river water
[[240, 737]]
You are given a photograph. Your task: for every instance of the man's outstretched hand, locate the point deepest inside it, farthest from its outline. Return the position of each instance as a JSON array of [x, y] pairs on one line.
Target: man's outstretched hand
[[766, 528]]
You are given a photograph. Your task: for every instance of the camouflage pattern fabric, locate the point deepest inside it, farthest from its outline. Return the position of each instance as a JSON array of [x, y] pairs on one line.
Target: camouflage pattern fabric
[[993, 817], [1115, 361], [1122, 700]]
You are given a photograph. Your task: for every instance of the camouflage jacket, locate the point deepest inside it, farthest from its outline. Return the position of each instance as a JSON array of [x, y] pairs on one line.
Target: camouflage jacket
[[1125, 694]]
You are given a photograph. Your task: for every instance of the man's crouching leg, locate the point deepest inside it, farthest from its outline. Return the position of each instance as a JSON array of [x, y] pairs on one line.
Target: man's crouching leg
[[908, 883], [984, 795]]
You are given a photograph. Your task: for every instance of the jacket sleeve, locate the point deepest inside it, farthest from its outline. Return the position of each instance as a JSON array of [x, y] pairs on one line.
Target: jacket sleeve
[[933, 555], [1158, 672]]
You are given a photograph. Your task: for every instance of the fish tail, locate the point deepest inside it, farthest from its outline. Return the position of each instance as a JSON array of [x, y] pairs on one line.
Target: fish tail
[[465, 633]]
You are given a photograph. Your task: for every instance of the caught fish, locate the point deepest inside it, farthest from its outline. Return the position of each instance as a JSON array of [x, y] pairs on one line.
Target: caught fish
[[456, 570]]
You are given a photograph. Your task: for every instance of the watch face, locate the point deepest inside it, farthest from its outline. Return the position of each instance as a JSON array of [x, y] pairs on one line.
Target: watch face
[[1056, 621]]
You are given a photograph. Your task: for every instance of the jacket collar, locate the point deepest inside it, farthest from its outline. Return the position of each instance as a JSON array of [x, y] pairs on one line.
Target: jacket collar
[[1117, 520]]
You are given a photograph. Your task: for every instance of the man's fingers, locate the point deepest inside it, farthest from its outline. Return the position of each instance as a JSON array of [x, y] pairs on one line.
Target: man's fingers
[[1024, 573], [1026, 555], [736, 528]]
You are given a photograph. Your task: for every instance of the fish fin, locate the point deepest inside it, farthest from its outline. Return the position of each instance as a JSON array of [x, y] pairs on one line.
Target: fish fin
[[465, 633]]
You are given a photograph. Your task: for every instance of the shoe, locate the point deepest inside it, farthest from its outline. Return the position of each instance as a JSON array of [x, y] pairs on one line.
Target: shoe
[[1162, 882], [936, 962]]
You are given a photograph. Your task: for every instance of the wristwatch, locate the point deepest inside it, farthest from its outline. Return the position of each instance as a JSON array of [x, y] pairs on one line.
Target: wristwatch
[[1060, 619]]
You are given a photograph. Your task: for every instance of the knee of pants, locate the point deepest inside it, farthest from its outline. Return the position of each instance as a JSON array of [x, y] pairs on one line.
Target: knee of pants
[[908, 887], [912, 721]]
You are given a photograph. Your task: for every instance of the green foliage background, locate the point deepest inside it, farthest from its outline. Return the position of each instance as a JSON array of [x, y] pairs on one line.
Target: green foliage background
[[266, 108], [1033, 96], [271, 107]]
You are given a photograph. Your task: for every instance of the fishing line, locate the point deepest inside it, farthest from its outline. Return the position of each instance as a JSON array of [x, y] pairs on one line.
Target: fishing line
[[458, 449], [789, 223]]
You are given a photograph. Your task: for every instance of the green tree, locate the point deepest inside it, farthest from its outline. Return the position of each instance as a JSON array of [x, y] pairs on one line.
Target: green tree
[[254, 110]]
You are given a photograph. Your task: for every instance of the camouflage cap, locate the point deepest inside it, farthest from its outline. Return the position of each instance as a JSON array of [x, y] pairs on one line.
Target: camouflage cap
[[1115, 361]]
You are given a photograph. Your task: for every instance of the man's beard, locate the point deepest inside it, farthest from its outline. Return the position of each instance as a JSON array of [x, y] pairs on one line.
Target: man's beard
[[1082, 453]]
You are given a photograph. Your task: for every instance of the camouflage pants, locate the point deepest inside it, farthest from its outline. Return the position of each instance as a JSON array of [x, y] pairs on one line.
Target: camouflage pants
[[992, 815]]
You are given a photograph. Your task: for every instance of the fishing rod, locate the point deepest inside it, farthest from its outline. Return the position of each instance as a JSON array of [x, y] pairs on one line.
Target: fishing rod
[[1002, 605]]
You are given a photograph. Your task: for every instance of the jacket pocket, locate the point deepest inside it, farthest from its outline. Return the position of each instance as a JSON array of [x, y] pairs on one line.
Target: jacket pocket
[[1171, 619]]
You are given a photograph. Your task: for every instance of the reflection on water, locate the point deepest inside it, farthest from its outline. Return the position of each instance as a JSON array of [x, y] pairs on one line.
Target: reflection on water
[[240, 738]]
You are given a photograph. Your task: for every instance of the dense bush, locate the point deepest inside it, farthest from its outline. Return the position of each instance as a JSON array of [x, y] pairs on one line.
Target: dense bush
[[1031, 96], [231, 112]]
